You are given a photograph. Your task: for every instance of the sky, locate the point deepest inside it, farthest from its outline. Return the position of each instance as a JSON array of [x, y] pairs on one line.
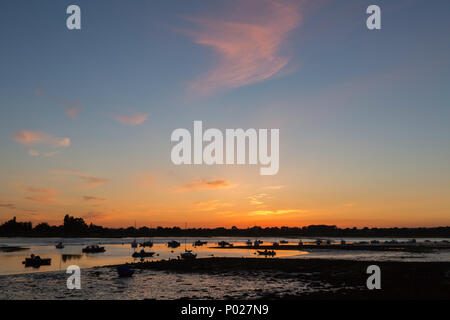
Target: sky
[[86, 115]]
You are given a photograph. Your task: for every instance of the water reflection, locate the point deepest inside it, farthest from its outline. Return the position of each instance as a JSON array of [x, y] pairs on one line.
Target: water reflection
[[67, 257]]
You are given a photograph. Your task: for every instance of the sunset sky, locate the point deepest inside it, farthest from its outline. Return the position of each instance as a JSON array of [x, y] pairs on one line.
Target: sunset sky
[[86, 116]]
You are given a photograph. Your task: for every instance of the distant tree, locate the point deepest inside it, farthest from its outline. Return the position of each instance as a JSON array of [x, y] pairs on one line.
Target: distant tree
[[14, 228], [43, 228], [74, 225]]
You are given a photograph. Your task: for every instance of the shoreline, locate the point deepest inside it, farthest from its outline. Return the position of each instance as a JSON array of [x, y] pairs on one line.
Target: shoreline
[[416, 247], [347, 278]]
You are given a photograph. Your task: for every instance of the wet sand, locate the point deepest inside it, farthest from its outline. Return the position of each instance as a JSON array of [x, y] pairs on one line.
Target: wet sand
[[345, 279]]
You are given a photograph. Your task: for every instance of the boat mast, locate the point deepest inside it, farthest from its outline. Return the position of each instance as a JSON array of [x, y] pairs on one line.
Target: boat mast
[[185, 229]]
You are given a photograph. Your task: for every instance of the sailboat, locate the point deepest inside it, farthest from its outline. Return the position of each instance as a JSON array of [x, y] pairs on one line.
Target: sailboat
[[134, 244], [187, 254], [147, 243]]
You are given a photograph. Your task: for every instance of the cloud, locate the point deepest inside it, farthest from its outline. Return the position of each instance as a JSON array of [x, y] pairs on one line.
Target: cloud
[[10, 206], [30, 138], [33, 153], [350, 204], [131, 118], [93, 215], [91, 198], [39, 198], [50, 154], [275, 212], [72, 108], [39, 190], [73, 111], [247, 44], [90, 180], [38, 194], [257, 199], [210, 205], [274, 187], [204, 184]]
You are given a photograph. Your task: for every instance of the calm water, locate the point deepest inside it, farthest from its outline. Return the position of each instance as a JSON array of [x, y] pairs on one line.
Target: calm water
[[119, 251]]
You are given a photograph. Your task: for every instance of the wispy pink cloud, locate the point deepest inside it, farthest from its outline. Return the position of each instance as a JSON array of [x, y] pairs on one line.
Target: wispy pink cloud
[[10, 206], [39, 198], [205, 184], [92, 198], [72, 108], [40, 190], [131, 118], [90, 180], [73, 111], [248, 44], [93, 215], [276, 212], [30, 138]]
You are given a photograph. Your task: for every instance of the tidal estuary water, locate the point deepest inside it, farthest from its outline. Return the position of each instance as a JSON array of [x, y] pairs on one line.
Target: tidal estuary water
[[100, 280]]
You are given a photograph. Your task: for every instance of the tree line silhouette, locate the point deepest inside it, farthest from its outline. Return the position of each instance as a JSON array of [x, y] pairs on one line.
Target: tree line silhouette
[[77, 227]]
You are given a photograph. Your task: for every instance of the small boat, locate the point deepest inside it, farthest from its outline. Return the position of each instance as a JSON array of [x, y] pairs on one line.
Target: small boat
[[188, 255], [224, 244], [147, 244], [93, 249], [284, 241], [249, 243], [124, 271], [134, 244], [59, 245], [173, 244], [142, 254], [267, 253], [199, 243], [36, 261], [257, 243]]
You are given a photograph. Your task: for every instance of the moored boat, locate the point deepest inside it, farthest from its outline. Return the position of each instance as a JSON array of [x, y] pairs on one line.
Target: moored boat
[[36, 261], [93, 249], [199, 243], [173, 244], [257, 243], [147, 244], [142, 254], [266, 253], [59, 245], [188, 255], [224, 244]]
